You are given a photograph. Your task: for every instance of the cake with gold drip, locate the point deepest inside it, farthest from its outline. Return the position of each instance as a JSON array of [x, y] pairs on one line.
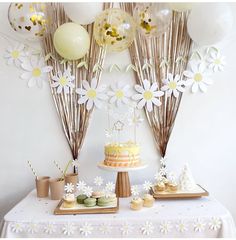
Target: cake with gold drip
[[122, 154]]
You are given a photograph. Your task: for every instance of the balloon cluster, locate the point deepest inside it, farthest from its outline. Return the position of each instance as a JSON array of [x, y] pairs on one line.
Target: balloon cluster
[[116, 29]]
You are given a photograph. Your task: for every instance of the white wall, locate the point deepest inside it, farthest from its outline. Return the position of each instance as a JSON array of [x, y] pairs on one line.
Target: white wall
[[204, 133]]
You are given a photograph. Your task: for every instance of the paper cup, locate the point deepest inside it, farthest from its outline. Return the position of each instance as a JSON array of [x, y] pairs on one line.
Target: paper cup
[[42, 186], [56, 188], [71, 178]]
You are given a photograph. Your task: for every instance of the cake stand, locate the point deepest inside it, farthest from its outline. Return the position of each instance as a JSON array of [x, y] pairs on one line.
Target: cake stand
[[123, 188]]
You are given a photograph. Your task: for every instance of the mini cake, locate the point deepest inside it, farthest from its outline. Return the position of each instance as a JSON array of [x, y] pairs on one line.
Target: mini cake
[[97, 194], [104, 202], [90, 202], [69, 201], [122, 155], [81, 198], [136, 204], [172, 187], [148, 200], [160, 187]]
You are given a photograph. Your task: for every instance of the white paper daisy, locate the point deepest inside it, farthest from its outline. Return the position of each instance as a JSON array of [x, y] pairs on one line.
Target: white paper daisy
[[68, 229], [135, 190], [216, 61], [86, 229], [126, 229], [119, 94], [147, 228], [98, 181], [32, 228], [17, 227], [105, 228], [147, 95], [199, 225], [165, 227], [81, 185], [147, 185], [35, 71], [91, 95], [198, 78], [181, 226], [69, 187], [50, 228], [135, 120], [15, 54], [215, 224], [110, 187], [88, 191], [63, 81], [173, 85]]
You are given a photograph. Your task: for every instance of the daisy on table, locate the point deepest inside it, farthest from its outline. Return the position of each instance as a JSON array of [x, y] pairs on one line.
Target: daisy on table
[[197, 77], [35, 71], [216, 61], [91, 94], [15, 54], [147, 95]]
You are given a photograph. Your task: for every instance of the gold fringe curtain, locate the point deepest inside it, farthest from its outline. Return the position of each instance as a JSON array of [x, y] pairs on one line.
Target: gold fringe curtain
[[74, 117], [167, 54]]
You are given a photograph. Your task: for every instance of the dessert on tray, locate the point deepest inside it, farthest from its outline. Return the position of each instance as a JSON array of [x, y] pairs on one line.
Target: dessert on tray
[[122, 154]]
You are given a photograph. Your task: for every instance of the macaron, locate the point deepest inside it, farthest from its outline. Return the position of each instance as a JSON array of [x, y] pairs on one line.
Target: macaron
[[97, 194], [90, 202], [113, 198], [81, 198], [104, 202]]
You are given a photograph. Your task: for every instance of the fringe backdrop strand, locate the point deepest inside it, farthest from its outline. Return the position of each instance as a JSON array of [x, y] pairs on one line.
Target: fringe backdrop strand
[[167, 54], [74, 117]]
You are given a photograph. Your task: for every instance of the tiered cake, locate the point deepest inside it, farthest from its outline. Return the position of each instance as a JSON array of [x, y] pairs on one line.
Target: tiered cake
[[122, 155]]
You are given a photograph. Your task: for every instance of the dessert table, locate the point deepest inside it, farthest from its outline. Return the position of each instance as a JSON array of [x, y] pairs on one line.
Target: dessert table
[[203, 217]]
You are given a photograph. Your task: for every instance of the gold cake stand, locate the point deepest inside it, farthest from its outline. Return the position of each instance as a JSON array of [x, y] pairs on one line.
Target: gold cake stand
[[123, 188]]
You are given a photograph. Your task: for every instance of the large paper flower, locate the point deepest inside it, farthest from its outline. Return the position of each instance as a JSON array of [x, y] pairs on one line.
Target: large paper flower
[[198, 78], [91, 94], [63, 81], [148, 94], [15, 55], [173, 85], [119, 94], [216, 61], [35, 71]]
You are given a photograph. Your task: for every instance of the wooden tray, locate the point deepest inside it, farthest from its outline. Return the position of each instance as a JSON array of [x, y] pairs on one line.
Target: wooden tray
[[199, 192], [81, 209]]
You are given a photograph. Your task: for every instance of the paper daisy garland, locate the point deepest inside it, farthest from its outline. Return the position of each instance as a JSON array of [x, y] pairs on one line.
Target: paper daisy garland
[[198, 78], [50, 228], [86, 229], [215, 224], [91, 95], [17, 227], [216, 61], [15, 55], [173, 85], [63, 81], [165, 227], [105, 228], [181, 226], [68, 229], [126, 229], [119, 94], [147, 95], [199, 225], [35, 71], [32, 228], [147, 228]]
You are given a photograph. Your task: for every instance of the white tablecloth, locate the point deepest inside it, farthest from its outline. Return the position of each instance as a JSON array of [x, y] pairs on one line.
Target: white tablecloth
[[205, 217]]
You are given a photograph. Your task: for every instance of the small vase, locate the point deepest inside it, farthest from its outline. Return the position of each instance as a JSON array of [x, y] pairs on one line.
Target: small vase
[[42, 186], [57, 188], [71, 178]]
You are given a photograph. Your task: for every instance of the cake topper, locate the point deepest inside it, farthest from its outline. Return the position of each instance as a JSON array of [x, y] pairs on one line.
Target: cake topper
[[118, 126]]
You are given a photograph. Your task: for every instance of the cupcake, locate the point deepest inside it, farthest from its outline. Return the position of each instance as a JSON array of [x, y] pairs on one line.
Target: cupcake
[[104, 201], [160, 187], [90, 202], [148, 200], [172, 187], [81, 198], [69, 201], [136, 204], [97, 194]]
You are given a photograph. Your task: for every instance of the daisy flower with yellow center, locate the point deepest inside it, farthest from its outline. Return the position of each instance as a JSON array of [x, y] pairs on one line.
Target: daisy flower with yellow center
[[91, 94], [147, 95], [216, 62], [198, 78], [35, 71], [15, 54], [173, 85]]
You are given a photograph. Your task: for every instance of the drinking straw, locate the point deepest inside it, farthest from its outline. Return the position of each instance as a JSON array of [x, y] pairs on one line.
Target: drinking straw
[[32, 169]]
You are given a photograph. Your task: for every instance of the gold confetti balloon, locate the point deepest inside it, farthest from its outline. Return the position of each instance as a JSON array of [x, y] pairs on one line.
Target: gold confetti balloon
[[153, 19], [28, 19], [114, 29]]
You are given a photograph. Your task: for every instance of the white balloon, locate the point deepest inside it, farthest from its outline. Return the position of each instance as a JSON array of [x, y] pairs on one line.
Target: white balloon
[[209, 23], [83, 13]]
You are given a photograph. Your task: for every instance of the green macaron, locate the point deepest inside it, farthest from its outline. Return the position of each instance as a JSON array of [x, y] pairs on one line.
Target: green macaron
[[103, 202], [90, 202], [81, 198]]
